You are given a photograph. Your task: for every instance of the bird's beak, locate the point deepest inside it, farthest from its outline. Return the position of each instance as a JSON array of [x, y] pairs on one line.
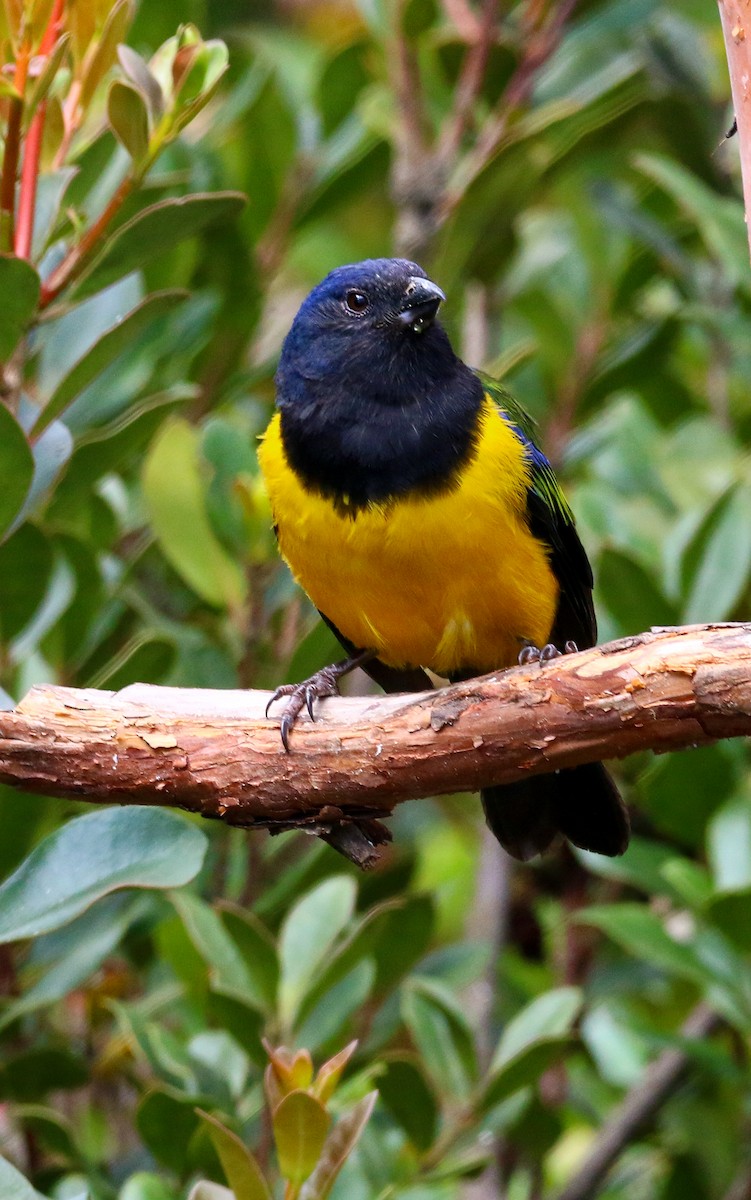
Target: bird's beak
[[421, 300]]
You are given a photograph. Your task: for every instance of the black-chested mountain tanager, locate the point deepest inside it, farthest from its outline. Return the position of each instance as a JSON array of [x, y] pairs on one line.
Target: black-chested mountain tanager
[[413, 507]]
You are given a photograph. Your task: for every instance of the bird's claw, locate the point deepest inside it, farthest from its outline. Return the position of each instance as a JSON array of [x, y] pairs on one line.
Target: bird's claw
[[303, 695], [545, 654]]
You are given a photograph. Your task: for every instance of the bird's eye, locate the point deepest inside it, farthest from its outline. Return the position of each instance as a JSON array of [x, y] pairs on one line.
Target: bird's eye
[[356, 302]]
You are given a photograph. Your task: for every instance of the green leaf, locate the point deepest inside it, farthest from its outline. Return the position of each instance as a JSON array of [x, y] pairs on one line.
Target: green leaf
[[19, 289], [71, 955], [729, 852], [258, 950], [144, 1185], [26, 568], [97, 64], [550, 1015], [145, 656], [52, 452], [441, 1034], [641, 932], [209, 63], [32, 1073], [16, 469], [337, 1148], [405, 940], [91, 856], [631, 595], [406, 1094], [13, 1186], [324, 1023], [146, 83], [153, 231], [362, 941], [129, 120], [45, 79], [719, 219], [681, 791], [51, 189], [105, 351], [300, 1126], [307, 935], [54, 1132], [167, 1122], [8, 90], [240, 1167], [38, 13], [640, 867], [717, 563], [729, 845], [229, 971], [174, 493], [690, 881], [531, 1042], [729, 911]]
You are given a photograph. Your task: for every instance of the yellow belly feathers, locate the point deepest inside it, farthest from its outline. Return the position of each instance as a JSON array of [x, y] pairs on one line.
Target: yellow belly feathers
[[446, 582]]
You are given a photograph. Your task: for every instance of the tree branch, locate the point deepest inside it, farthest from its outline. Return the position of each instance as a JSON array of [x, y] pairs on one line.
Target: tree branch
[[736, 30], [214, 753], [639, 1108]]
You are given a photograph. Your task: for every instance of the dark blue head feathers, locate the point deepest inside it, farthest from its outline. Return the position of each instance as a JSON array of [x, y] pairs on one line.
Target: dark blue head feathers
[[374, 401]]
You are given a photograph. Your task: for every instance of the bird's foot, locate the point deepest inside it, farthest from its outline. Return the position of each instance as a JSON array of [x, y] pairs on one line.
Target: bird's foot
[[545, 654], [303, 695]]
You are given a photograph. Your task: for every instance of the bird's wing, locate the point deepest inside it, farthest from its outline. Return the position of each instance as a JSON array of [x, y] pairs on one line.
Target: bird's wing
[[552, 521]]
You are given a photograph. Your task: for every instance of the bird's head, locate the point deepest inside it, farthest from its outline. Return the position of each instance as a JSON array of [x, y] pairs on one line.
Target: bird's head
[[364, 318], [373, 399], [384, 294]]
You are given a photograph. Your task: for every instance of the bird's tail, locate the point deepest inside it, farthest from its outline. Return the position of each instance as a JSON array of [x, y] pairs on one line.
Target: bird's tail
[[582, 803]]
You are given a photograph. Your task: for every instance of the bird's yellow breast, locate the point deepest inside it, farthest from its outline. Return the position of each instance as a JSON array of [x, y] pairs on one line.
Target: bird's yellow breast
[[450, 581]]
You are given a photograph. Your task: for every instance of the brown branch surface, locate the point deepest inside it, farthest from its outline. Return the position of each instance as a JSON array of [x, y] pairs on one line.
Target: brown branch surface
[[735, 16], [214, 752]]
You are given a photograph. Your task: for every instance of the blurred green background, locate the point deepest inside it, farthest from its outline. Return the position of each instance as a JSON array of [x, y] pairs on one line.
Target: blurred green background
[[581, 207]]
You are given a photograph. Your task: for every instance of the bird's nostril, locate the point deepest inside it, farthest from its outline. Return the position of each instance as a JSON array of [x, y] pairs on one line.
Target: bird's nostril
[[410, 289]]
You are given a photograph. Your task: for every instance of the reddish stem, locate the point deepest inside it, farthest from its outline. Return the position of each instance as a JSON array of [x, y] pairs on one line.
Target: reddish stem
[[12, 150], [76, 258], [33, 149]]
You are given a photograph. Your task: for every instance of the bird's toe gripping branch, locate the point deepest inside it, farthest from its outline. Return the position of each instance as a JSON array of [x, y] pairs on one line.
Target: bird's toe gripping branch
[[545, 654], [303, 695], [357, 840]]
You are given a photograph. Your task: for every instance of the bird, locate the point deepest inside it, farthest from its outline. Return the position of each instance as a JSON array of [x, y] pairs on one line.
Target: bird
[[411, 503]]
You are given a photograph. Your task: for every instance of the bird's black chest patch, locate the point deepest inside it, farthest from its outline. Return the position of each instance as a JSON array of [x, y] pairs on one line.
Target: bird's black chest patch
[[357, 445]]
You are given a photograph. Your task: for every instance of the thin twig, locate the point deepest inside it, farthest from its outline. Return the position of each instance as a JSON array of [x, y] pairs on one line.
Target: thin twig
[[640, 1106], [470, 83], [407, 86], [541, 40], [33, 149], [414, 179], [464, 18]]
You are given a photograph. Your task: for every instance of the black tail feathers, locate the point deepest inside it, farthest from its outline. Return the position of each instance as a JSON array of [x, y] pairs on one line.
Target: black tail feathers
[[582, 803]]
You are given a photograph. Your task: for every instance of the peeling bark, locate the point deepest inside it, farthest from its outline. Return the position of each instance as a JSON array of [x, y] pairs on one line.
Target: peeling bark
[[214, 753]]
